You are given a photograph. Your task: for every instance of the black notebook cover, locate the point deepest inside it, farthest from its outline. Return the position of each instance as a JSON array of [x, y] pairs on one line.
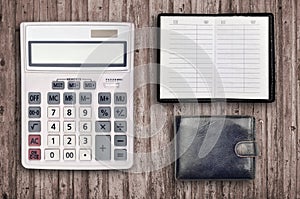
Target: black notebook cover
[[200, 59], [215, 147]]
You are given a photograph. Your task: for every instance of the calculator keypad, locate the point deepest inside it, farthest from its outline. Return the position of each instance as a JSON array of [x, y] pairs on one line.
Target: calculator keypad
[[74, 130]]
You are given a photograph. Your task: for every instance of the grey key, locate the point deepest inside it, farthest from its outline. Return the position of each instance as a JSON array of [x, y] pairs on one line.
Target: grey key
[[34, 112], [102, 147], [74, 85], [58, 85], [104, 112], [120, 112], [89, 85], [53, 98], [69, 98], [34, 98], [120, 126], [120, 154], [120, 140], [102, 126], [85, 98], [34, 126], [120, 98], [104, 98]]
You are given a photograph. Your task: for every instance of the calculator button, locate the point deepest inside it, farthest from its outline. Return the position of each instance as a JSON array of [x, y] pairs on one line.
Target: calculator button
[[85, 127], [69, 141], [74, 85], [120, 112], [34, 126], [34, 98], [102, 147], [34, 154], [53, 140], [120, 154], [53, 112], [58, 85], [89, 85], [53, 98], [102, 126], [69, 127], [120, 98], [52, 154], [34, 140], [104, 112], [53, 127], [85, 141], [69, 98], [85, 112], [85, 98], [104, 98], [85, 154], [120, 140], [69, 112], [69, 154], [34, 112], [120, 126]]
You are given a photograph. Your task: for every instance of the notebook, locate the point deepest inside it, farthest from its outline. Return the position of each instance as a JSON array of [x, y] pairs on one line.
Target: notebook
[[215, 147], [216, 57]]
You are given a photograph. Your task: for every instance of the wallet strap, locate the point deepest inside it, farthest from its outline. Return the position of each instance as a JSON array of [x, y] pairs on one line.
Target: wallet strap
[[246, 149]]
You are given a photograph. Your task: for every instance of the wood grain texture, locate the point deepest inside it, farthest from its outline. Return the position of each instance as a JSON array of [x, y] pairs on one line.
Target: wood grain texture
[[277, 124]]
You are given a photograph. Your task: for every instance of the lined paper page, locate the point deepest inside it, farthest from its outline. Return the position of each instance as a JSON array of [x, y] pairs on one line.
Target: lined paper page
[[214, 57]]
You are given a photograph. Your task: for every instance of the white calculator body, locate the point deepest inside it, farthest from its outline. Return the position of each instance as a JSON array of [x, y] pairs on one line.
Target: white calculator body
[[77, 95]]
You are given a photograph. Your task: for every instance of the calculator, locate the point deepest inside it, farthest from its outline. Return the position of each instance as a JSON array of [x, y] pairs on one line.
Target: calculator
[[77, 95]]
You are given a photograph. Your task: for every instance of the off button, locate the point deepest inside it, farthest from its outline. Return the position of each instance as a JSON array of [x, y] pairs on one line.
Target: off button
[[34, 98]]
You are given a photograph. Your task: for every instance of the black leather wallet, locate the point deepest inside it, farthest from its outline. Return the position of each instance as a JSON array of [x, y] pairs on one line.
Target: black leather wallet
[[215, 147]]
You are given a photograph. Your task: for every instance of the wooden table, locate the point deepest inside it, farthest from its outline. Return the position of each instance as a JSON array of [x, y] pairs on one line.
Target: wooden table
[[278, 166]]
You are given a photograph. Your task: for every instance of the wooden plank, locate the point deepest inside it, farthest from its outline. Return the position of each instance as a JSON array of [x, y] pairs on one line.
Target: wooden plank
[[289, 98], [273, 142], [161, 124], [79, 10], [278, 183], [297, 42], [25, 178], [139, 187], [64, 10], [98, 10], [8, 127]]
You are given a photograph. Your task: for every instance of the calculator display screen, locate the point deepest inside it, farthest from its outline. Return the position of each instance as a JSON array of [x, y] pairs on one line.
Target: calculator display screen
[[77, 53]]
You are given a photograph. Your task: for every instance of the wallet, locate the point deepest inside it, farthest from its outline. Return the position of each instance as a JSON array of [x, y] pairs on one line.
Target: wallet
[[215, 147]]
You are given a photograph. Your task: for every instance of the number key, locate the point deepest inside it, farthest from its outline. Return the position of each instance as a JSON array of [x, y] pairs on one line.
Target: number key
[[69, 127], [53, 127], [52, 154], [69, 112], [69, 141], [69, 154], [53, 140], [85, 141], [85, 112], [53, 112], [85, 127]]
